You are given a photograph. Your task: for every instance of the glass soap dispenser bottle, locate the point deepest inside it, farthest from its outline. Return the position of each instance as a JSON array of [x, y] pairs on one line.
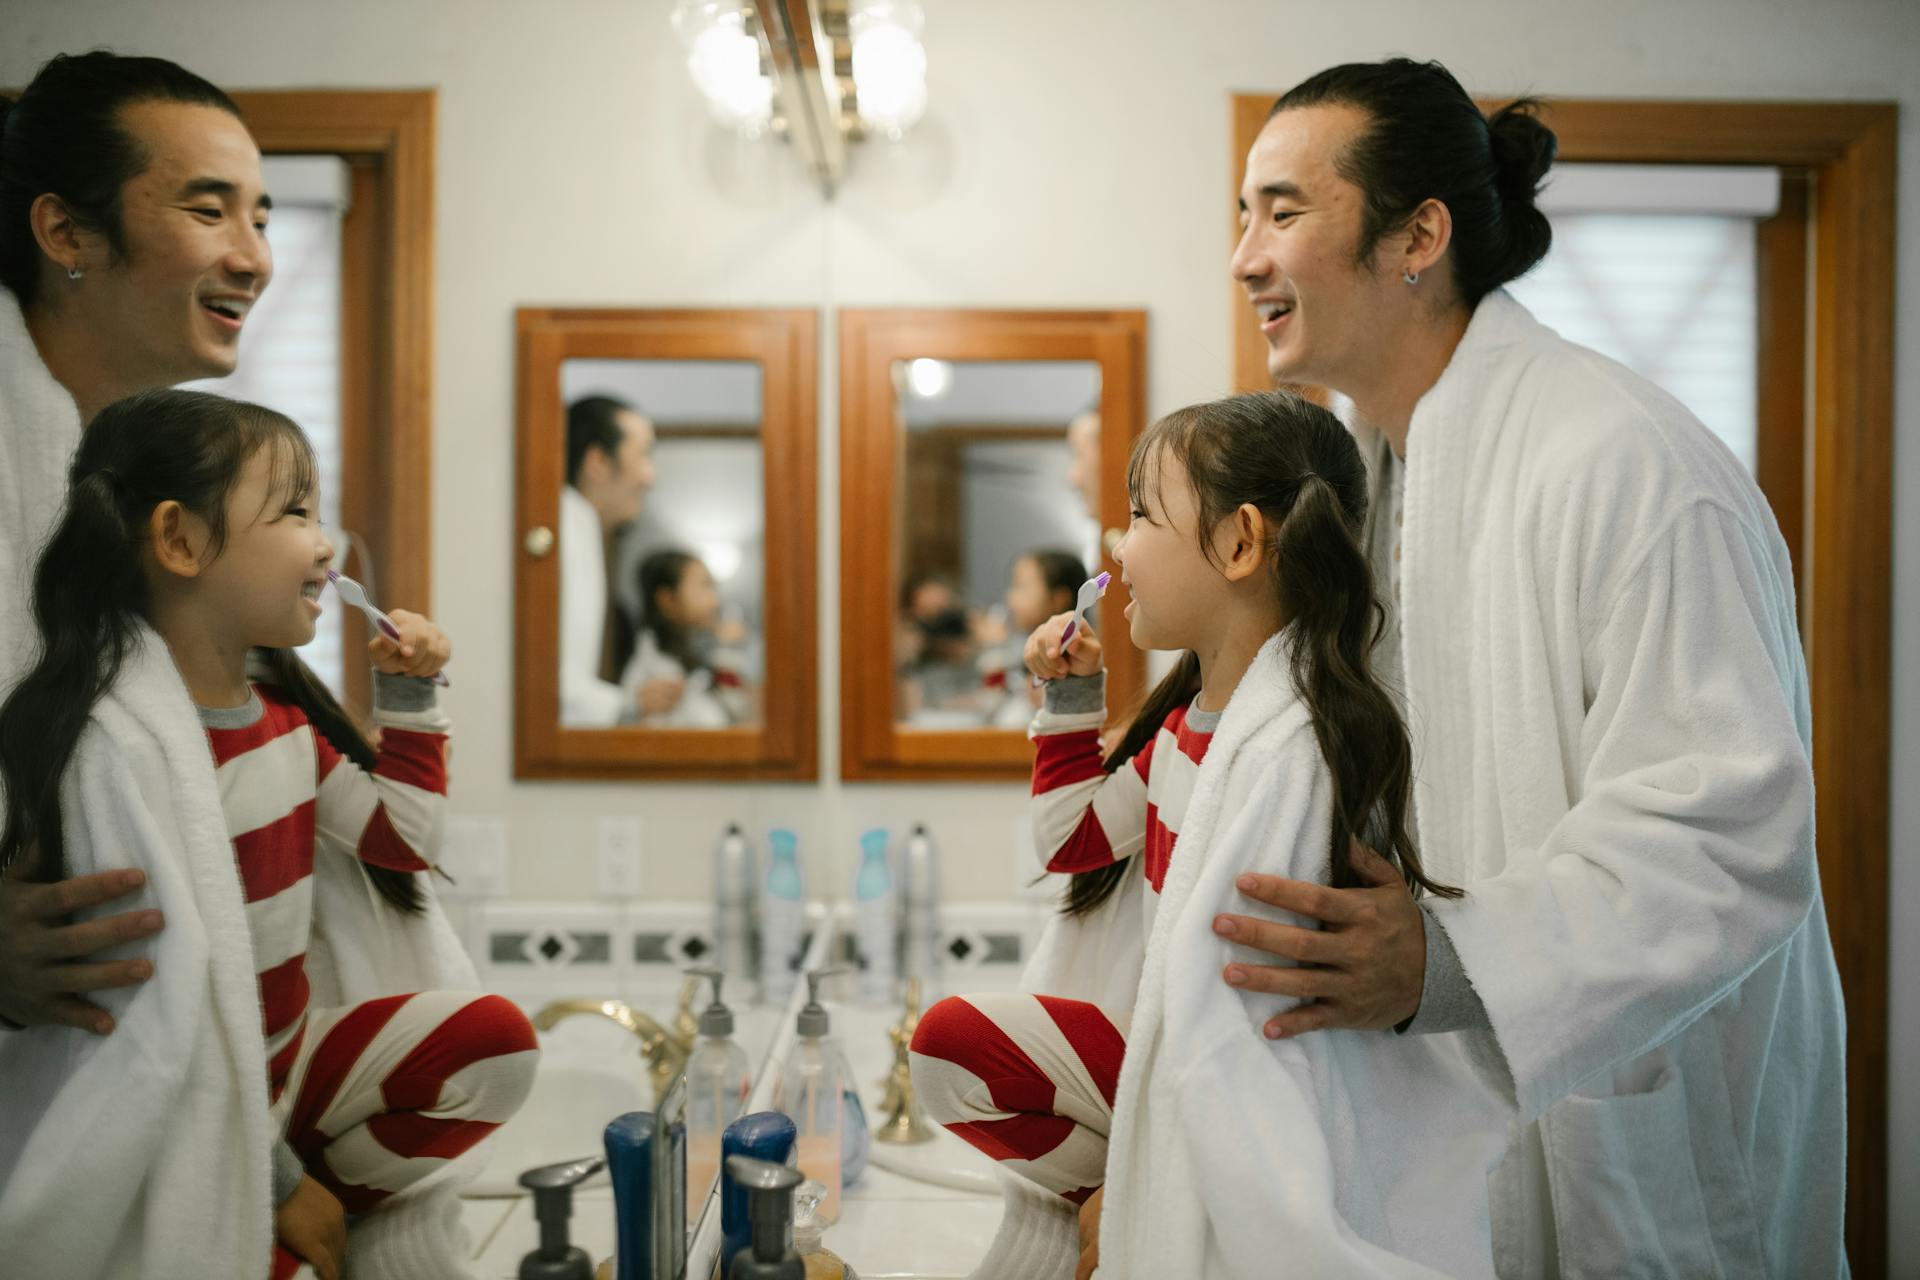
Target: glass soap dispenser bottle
[[810, 1089], [719, 1078]]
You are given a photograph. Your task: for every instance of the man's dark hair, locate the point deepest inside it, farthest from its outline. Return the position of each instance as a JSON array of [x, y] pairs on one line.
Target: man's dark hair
[[593, 422], [66, 136]]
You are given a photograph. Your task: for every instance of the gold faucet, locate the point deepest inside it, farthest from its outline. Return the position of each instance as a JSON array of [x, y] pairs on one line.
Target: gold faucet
[[665, 1051], [904, 1121]]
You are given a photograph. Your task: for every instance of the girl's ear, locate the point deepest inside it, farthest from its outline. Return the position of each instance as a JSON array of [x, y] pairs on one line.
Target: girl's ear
[[1240, 543], [178, 539]]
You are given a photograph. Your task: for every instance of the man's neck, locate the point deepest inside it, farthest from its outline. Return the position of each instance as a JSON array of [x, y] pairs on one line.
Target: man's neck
[[75, 357], [212, 664], [1419, 356]]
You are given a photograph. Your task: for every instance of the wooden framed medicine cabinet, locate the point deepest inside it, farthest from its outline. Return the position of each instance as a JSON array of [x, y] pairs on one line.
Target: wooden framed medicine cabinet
[[969, 439], [729, 401]]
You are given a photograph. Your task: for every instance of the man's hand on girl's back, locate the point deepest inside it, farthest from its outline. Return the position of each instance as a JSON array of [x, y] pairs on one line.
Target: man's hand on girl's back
[[44, 966]]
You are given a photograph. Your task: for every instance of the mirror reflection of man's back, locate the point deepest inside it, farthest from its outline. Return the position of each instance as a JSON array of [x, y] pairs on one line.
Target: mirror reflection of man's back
[[609, 470]]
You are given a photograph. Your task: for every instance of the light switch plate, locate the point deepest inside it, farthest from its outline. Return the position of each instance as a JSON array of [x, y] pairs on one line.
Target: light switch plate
[[473, 850], [617, 864]]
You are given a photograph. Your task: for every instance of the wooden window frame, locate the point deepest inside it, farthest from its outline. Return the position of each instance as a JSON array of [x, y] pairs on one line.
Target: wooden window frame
[[386, 139], [873, 746], [1826, 464], [785, 344]]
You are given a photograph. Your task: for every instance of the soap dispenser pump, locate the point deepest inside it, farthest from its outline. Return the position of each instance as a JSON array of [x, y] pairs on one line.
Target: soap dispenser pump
[[812, 1084], [719, 1078], [770, 1208], [552, 1186]]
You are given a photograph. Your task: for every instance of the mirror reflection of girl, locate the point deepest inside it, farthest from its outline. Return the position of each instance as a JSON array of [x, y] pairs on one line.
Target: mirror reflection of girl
[[190, 537], [1044, 582], [685, 672], [1272, 746]]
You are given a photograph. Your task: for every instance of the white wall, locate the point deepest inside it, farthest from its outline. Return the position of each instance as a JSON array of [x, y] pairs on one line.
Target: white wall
[[1077, 154]]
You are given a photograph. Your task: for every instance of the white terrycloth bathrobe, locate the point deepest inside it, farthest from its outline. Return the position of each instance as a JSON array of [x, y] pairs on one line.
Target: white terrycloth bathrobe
[[147, 1152], [1610, 712], [1338, 1154]]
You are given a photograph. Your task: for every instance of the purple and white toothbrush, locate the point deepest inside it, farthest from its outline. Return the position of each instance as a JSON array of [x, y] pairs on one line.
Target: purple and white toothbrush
[[1090, 592], [356, 595]]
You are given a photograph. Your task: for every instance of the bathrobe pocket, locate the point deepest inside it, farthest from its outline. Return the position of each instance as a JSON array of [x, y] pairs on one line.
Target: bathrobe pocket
[[1627, 1199]]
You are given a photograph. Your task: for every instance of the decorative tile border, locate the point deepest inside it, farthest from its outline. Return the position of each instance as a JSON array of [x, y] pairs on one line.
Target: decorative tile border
[[553, 950], [547, 950]]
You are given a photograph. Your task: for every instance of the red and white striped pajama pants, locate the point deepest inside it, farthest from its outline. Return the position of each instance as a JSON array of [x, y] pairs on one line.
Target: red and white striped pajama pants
[[383, 1093], [1027, 1079]]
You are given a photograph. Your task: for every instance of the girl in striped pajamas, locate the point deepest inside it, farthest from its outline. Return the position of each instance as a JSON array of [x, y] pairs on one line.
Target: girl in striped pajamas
[[197, 515], [1246, 519]]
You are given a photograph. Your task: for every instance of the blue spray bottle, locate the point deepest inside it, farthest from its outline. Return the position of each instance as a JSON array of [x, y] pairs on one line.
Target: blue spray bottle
[[783, 921]]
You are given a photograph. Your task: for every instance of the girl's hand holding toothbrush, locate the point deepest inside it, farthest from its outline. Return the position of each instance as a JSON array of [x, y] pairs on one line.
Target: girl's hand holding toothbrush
[[1084, 655], [421, 650]]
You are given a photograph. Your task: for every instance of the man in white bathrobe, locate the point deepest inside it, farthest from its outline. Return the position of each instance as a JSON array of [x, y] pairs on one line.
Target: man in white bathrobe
[[1592, 613], [103, 299]]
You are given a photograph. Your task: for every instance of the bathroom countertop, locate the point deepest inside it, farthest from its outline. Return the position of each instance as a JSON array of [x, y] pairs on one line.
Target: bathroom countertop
[[891, 1227]]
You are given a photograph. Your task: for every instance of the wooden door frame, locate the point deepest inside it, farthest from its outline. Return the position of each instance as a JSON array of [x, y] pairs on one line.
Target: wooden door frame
[[1842, 538], [873, 746], [386, 304]]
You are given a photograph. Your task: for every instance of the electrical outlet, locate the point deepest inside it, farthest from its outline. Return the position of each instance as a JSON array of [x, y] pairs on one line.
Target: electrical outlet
[[617, 866], [473, 850]]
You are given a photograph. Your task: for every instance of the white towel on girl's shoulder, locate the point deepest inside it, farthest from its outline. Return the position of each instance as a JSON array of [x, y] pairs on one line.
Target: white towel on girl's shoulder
[[1341, 1153], [147, 1152]]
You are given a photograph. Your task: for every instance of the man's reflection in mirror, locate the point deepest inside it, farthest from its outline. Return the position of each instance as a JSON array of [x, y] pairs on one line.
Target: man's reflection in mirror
[[682, 645], [1083, 473], [609, 470]]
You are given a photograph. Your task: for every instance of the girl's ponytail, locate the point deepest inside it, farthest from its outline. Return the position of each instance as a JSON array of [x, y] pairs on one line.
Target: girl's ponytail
[[88, 599], [1299, 467], [295, 679], [1327, 595], [1086, 890]]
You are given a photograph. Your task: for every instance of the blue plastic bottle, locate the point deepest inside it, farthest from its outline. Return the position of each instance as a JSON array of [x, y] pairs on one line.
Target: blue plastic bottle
[[782, 917]]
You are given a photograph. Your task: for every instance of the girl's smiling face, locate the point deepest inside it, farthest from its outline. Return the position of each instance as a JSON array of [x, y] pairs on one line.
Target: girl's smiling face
[[1029, 601], [266, 581], [1175, 588], [695, 603]]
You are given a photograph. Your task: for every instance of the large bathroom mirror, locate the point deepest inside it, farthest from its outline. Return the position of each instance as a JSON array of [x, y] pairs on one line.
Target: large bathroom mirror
[[665, 601], [982, 479]]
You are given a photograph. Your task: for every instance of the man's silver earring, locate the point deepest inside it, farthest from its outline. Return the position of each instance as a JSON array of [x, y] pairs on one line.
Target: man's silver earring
[[1411, 277], [74, 273]]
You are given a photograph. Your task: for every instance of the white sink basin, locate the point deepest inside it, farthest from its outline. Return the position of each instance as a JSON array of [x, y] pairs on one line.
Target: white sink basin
[[945, 1162], [563, 1119]]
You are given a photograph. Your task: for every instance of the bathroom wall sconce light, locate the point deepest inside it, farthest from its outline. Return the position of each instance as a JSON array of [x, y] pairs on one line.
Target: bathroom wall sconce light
[[821, 74]]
